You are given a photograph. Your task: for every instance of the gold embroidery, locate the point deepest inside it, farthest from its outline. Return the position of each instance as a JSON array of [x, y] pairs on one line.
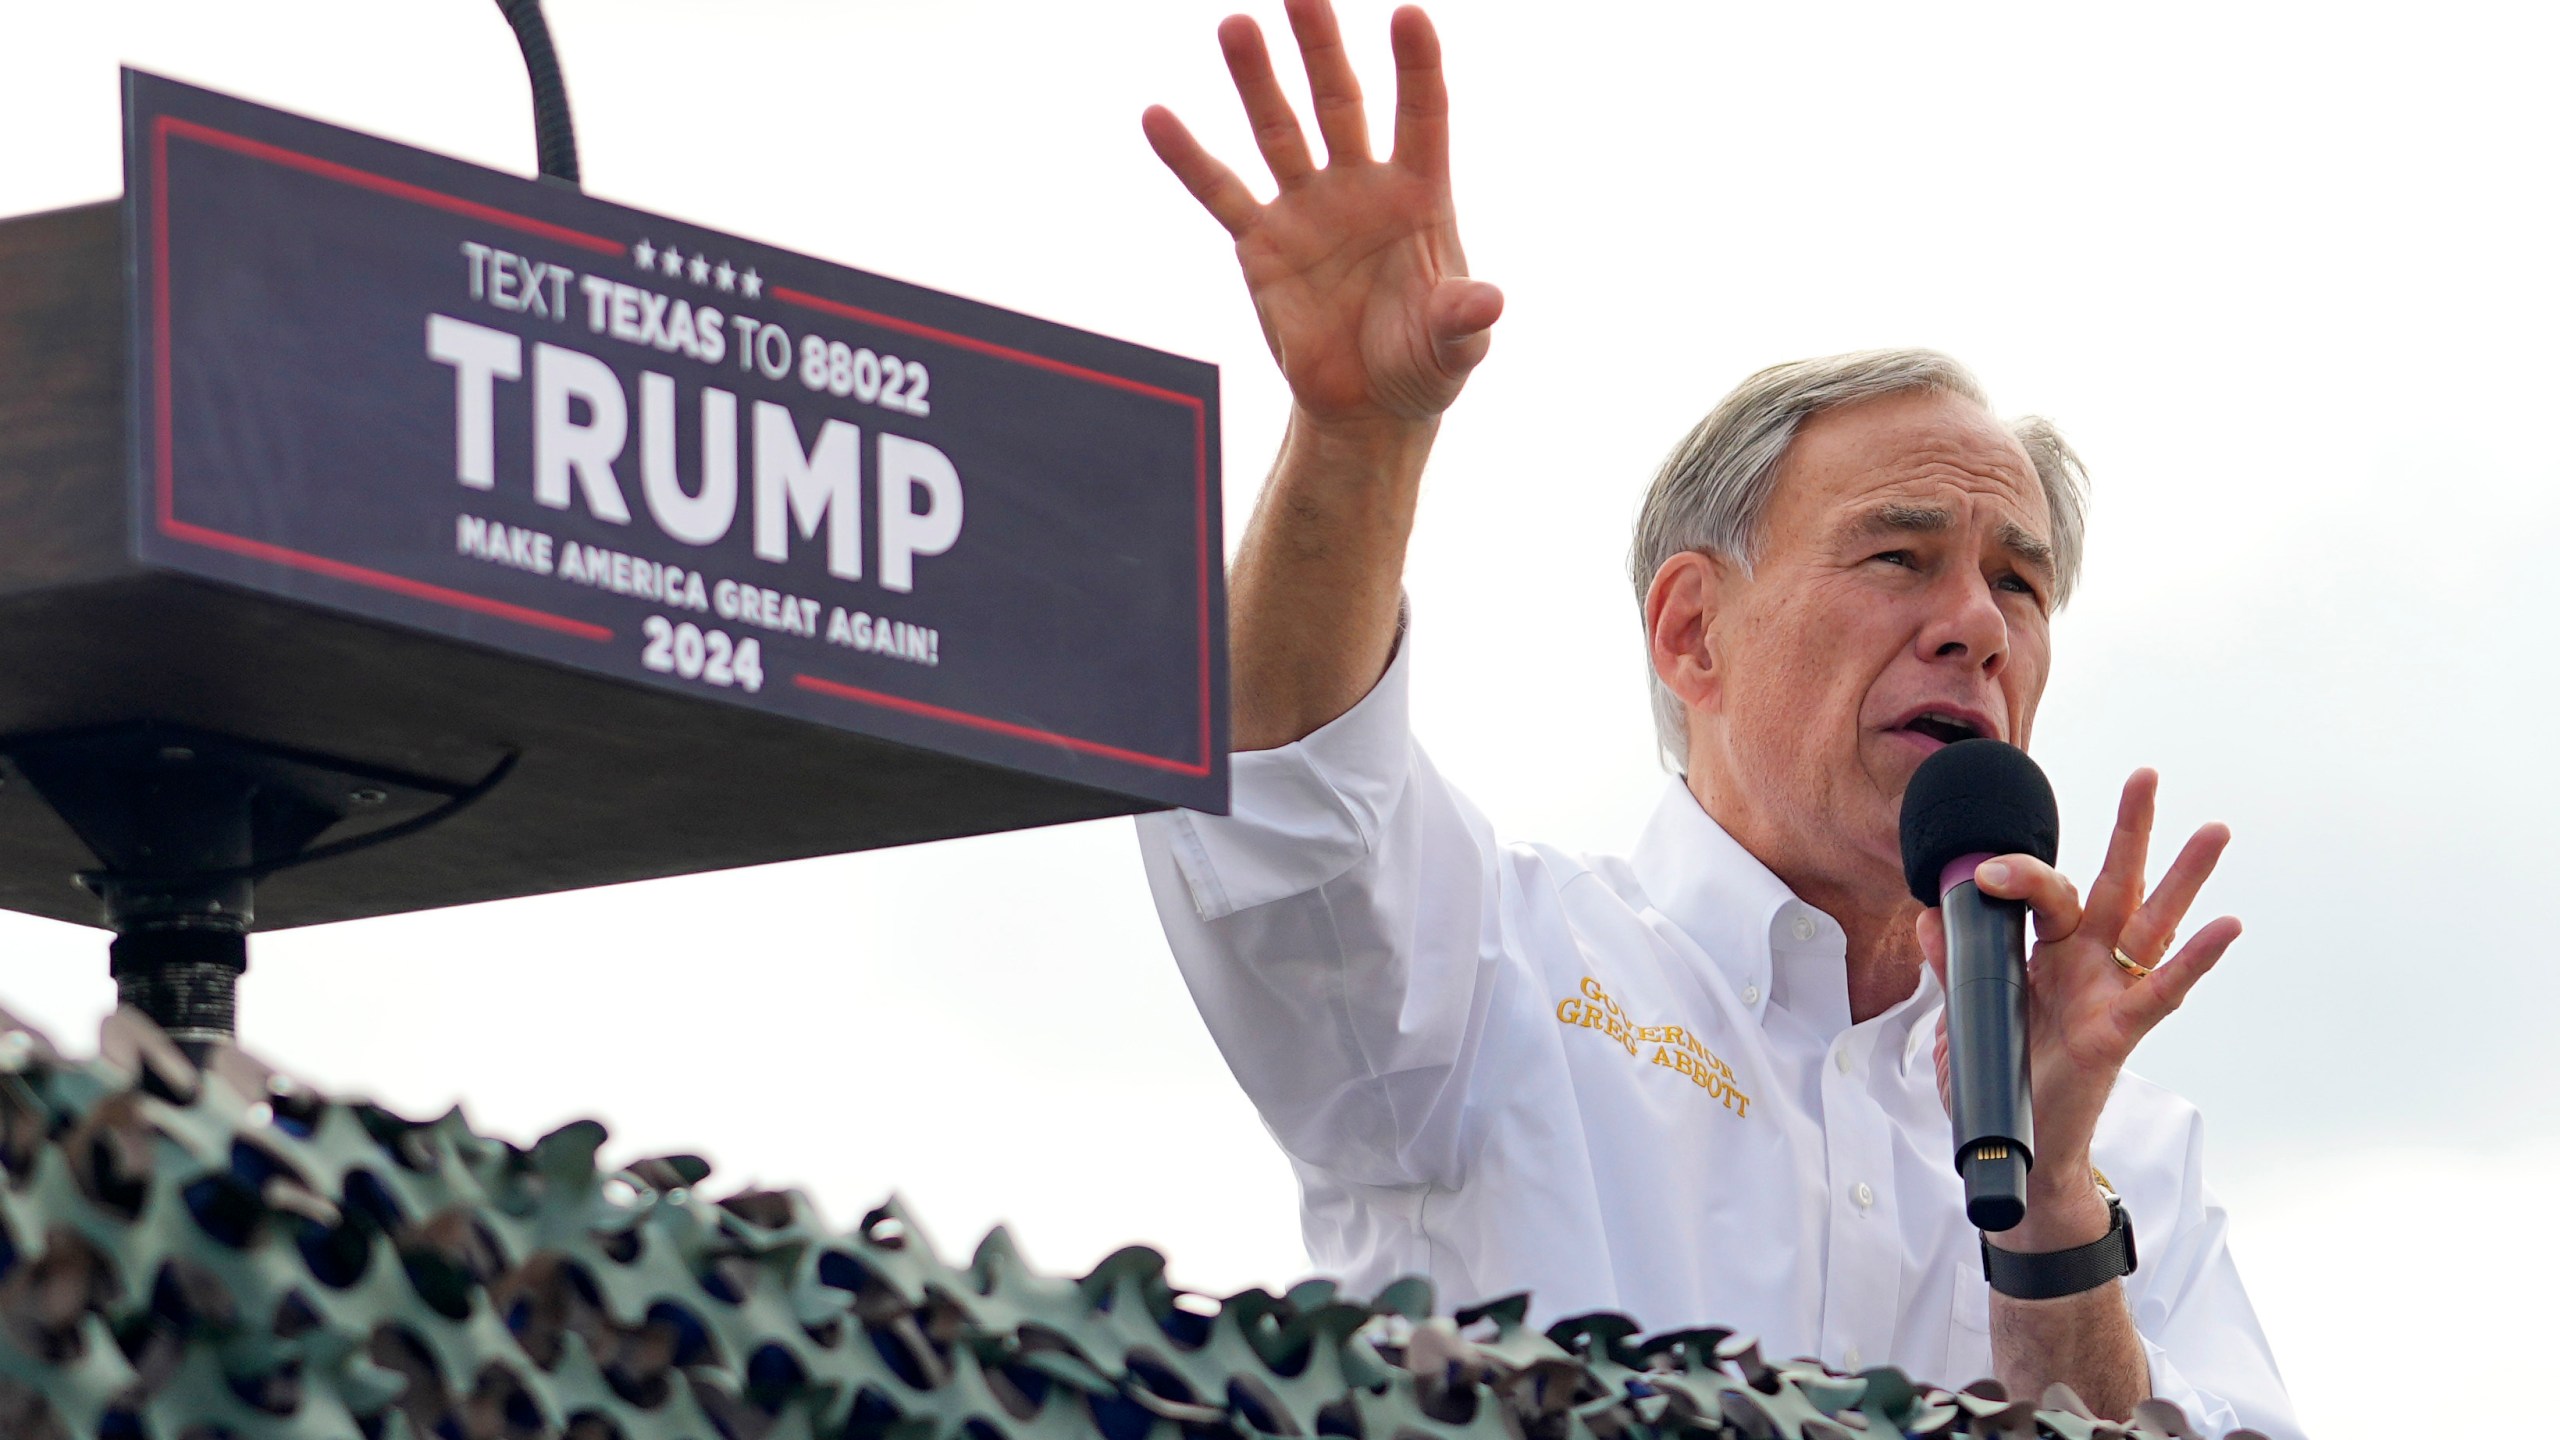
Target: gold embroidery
[[1674, 1048]]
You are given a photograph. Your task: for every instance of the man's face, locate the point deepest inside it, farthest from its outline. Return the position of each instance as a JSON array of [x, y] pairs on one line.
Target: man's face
[[1898, 603]]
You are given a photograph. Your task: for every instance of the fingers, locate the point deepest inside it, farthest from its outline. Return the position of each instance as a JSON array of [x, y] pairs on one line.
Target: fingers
[[2053, 899], [2117, 892], [1422, 95], [2150, 1001], [1932, 928], [1946, 1077], [2146, 936], [1339, 115], [1460, 314], [1211, 183], [1266, 107]]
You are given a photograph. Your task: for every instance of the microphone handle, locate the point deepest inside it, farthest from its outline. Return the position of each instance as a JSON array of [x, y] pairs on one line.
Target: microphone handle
[[1992, 1100]]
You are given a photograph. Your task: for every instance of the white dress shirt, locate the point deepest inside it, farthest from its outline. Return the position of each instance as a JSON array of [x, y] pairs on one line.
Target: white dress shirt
[[1626, 1085]]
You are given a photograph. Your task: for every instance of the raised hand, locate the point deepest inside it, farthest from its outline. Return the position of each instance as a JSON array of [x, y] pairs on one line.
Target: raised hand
[[2086, 1011], [1355, 267]]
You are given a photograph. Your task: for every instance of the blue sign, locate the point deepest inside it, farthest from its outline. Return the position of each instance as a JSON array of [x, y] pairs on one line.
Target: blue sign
[[391, 384]]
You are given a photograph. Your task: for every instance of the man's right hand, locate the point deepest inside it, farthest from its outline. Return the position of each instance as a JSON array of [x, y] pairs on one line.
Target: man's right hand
[[1355, 268], [1357, 275]]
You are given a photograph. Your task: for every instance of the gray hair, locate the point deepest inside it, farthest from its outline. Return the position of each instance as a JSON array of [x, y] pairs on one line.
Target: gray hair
[[1713, 489]]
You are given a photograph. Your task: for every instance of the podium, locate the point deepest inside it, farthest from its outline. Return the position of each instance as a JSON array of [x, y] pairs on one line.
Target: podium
[[380, 532]]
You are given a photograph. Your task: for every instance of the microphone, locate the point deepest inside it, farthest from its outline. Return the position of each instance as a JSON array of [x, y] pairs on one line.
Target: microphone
[[1969, 802]]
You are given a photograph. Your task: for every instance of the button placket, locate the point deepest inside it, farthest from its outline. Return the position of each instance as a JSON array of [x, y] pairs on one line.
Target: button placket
[[1862, 1280]]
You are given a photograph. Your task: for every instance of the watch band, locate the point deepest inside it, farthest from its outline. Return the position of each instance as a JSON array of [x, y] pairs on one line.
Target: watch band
[[2056, 1273]]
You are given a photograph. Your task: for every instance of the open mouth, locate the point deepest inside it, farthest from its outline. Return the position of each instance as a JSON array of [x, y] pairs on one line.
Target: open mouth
[[1943, 728]]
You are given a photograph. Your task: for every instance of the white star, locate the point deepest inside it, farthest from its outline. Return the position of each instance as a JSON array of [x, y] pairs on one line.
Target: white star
[[699, 269], [752, 283], [645, 253], [671, 260], [727, 275]]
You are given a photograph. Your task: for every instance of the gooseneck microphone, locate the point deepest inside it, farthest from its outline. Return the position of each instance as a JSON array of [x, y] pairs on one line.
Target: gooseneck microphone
[[1969, 802]]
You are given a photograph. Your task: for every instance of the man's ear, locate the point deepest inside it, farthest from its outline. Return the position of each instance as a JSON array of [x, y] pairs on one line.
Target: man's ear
[[1679, 617]]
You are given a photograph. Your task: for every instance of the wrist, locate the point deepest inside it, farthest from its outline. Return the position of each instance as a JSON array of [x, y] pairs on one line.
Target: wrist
[[1373, 441], [2064, 1208], [1359, 481]]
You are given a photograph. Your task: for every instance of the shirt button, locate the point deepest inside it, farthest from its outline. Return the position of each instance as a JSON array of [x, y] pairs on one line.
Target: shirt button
[[1804, 927], [1840, 1059], [1750, 994], [1850, 1359], [1866, 1195]]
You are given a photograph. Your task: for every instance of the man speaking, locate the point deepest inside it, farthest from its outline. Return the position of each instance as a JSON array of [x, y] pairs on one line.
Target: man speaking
[[1702, 1083]]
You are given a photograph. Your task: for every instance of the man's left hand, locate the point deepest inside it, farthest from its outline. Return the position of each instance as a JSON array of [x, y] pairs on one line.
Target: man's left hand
[[2085, 1011]]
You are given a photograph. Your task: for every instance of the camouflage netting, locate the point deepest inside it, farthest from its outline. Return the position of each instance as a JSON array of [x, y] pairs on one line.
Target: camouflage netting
[[193, 1256]]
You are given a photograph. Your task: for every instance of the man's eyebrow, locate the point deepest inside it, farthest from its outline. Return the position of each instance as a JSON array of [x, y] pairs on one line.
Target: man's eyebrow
[[2032, 550], [1900, 519]]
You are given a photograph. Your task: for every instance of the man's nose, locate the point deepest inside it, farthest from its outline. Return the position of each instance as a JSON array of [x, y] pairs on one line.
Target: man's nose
[[1967, 625]]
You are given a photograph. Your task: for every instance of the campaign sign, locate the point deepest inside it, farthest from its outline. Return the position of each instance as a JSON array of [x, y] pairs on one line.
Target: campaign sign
[[391, 384]]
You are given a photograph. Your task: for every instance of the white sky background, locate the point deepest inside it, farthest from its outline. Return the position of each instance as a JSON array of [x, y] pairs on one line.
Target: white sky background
[[2284, 276]]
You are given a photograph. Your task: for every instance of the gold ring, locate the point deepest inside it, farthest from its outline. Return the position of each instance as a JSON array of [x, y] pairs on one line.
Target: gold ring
[[2131, 966]]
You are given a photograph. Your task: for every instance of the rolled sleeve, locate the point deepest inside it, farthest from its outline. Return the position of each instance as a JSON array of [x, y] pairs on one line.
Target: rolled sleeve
[[2210, 1414], [1300, 815], [2207, 1353], [1338, 930]]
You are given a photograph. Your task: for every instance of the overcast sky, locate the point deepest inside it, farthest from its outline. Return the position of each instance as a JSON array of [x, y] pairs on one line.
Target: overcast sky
[[2283, 276]]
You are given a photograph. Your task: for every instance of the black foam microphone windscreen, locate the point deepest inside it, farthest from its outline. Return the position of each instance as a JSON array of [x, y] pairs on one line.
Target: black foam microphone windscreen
[[1975, 797], [1968, 802]]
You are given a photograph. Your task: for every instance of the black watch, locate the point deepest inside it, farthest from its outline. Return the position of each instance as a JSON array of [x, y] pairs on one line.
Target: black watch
[[2057, 1273]]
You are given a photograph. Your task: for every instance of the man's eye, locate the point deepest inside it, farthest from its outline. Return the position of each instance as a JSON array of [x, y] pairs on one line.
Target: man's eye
[[1895, 557], [2019, 585]]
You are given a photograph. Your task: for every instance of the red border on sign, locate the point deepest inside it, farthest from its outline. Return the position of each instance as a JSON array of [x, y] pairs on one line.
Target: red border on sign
[[843, 691], [1200, 508], [165, 125], [170, 525]]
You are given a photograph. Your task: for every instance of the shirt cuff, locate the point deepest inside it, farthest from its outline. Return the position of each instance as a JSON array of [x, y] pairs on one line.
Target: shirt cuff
[[2210, 1416], [1302, 814]]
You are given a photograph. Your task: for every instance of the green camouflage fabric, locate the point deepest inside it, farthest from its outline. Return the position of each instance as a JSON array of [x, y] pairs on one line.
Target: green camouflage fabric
[[226, 1254]]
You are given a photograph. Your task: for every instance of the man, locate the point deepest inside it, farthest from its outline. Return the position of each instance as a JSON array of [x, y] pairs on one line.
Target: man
[[1697, 1085]]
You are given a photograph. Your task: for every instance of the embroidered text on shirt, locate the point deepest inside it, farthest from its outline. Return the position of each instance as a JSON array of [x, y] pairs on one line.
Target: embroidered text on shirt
[[1674, 1048]]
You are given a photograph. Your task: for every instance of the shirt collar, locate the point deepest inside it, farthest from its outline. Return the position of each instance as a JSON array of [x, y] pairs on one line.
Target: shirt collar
[[1767, 943]]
